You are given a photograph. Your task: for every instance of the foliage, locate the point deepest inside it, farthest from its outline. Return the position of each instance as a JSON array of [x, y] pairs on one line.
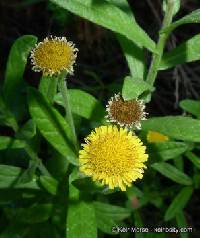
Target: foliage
[[42, 192]]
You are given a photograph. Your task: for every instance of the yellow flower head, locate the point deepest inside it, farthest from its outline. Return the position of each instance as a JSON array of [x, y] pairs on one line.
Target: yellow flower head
[[154, 136], [53, 56], [126, 113], [113, 156]]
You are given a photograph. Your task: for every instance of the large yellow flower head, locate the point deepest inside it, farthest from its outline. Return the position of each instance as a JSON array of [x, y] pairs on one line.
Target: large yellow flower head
[[53, 56], [113, 156]]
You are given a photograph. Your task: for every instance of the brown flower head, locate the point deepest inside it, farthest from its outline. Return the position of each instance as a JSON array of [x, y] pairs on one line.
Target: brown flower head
[[126, 113]]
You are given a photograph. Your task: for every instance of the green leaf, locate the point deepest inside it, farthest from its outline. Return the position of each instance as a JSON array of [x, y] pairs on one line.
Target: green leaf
[[107, 224], [168, 150], [51, 125], [179, 163], [109, 217], [37, 213], [83, 104], [193, 158], [172, 173], [178, 127], [81, 220], [10, 143], [138, 223], [6, 117], [115, 212], [186, 52], [123, 5], [134, 56], [109, 16], [191, 106], [57, 164], [49, 184], [87, 185], [178, 203], [193, 17], [133, 88], [181, 222], [9, 176], [28, 131], [15, 69]]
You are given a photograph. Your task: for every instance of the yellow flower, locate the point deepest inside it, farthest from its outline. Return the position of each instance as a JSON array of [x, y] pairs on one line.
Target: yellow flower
[[113, 156], [154, 136], [125, 113], [53, 56]]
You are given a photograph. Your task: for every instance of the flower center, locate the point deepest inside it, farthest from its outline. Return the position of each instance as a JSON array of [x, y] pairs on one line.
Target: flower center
[[112, 155], [126, 112], [54, 55]]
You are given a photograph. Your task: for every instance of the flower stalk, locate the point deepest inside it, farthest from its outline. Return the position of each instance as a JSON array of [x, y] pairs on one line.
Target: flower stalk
[[62, 86], [153, 71]]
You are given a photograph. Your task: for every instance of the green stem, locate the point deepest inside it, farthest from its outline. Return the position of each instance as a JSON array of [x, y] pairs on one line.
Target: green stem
[[48, 87], [153, 71], [62, 84], [52, 89]]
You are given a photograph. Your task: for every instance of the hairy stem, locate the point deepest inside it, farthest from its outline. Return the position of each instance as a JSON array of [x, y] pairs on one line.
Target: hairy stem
[[62, 84], [48, 87], [153, 71]]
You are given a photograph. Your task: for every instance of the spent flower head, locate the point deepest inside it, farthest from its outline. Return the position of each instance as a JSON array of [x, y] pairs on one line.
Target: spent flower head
[[126, 113], [113, 156], [54, 55]]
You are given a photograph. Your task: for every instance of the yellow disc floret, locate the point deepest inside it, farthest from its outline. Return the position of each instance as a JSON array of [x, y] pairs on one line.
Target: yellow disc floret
[[53, 56], [113, 156]]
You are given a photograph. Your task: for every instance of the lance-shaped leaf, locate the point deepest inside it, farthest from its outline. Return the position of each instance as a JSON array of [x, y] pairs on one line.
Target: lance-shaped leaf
[[9, 178], [51, 124], [133, 88], [186, 52], [191, 106], [172, 173], [83, 104], [13, 84], [193, 158], [178, 127], [81, 220], [181, 222], [11, 143], [134, 54], [193, 17], [178, 203], [168, 150], [109, 16]]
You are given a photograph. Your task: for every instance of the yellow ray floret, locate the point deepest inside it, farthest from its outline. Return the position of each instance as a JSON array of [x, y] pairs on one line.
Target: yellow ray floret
[[54, 55], [153, 137], [113, 156]]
